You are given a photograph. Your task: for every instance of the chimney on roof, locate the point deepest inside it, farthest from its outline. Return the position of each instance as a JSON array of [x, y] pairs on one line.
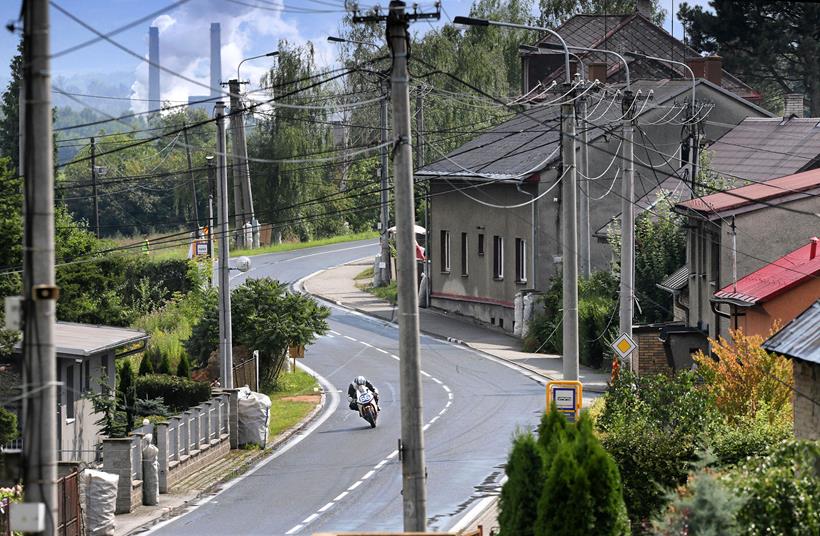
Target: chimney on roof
[[644, 7], [698, 65], [597, 71], [813, 250], [793, 105], [713, 69]]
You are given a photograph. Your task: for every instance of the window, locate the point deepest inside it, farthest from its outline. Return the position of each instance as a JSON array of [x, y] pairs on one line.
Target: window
[[465, 270], [498, 257], [445, 251], [481, 244], [70, 393], [520, 260], [87, 376]]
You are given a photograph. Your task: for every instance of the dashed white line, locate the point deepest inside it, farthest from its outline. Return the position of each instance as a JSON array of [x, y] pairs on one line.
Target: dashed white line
[[425, 374], [355, 485], [382, 351], [368, 475], [447, 389], [341, 496], [437, 381], [366, 344], [310, 518], [434, 419], [394, 356], [335, 332], [393, 454], [349, 338], [450, 396], [326, 507], [295, 529], [381, 464], [425, 427]]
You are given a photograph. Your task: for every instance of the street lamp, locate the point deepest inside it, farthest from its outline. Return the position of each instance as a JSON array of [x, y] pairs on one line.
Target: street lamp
[[471, 21], [334, 39], [268, 55], [530, 48], [584, 49]]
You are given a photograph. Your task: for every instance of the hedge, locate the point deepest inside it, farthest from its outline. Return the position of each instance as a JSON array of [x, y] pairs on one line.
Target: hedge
[[177, 393]]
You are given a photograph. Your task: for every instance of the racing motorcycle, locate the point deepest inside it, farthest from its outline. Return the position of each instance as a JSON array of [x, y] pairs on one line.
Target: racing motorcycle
[[366, 401]]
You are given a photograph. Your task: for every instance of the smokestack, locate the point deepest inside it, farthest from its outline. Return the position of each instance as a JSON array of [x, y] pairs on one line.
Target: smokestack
[[216, 59], [597, 71], [153, 69], [813, 249], [793, 105]]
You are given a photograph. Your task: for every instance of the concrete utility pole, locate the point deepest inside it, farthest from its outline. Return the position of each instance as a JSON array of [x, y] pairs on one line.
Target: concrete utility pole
[[225, 334], [40, 291], [211, 223], [191, 173], [413, 467], [241, 172], [94, 187], [419, 165], [569, 239], [386, 271], [627, 292], [584, 253]]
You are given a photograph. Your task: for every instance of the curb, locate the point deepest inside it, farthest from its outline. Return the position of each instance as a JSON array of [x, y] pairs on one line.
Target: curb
[[452, 340], [168, 513]]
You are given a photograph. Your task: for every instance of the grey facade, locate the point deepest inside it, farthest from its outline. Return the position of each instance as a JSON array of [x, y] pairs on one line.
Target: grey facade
[[520, 158]]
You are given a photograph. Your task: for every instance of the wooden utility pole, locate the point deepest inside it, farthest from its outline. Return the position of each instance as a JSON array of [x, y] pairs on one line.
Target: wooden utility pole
[[40, 291], [94, 187]]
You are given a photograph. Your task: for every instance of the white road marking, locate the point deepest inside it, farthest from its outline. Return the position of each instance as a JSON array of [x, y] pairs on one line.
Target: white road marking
[[349, 338], [368, 475], [393, 454], [445, 388], [295, 529], [434, 419], [310, 518], [382, 351], [394, 356], [355, 485], [437, 381], [425, 374], [366, 344], [450, 396], [335, 332], [341, 496], [381, 464], [326, 507]]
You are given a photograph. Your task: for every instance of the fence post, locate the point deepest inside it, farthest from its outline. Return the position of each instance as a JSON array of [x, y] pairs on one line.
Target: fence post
[[233, 417], [117, 460], [137, 441], [206, 432], [173, 438], [162, 445], [186, 446]]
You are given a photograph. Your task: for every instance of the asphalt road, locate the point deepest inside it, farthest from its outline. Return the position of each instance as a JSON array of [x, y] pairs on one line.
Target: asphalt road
[[345, 476]]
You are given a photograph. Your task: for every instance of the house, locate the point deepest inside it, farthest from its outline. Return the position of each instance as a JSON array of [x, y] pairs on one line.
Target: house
[[497, 195], [631, 32], [86, 357], [739, 231], [799, 340], [778, 292]]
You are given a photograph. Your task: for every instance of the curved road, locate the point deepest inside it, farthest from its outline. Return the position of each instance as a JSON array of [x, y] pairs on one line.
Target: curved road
[[344, 476]]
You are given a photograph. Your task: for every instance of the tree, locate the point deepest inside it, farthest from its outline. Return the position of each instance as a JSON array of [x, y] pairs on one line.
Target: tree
[[518, 506], [127, 395], [771, 44], [146, 364], [8, 426], [184, 366], [556, 12], [10, 117], [164, 365]]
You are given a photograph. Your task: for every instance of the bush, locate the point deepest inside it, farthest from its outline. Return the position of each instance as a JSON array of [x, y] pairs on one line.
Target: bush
[[8, 426], [177, 393], [126, 396], [518, 505], [184, 367], [743, 376], [164, 365], [147, 363], [597, 307], [733, 442], [782, 491], [151, 407]]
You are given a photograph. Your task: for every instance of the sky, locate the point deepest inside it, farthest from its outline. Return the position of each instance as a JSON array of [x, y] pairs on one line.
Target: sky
[[249, 27]]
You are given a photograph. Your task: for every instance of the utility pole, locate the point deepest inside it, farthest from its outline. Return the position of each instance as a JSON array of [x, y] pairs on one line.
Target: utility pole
[[694, 134], [386, 271], [569, 239], [584, 252], [241, 173], [94, 187], [40, 291], [627, 292], [419, 165], [225, 333], [191, 173], [211, 224]]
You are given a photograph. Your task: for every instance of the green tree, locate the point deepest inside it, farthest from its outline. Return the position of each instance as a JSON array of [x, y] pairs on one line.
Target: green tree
[[184, 366], [518, 505], [10, 116], [770, 44], [8, 426], [126, 394], [565, 504], [556, 12], [164, 365], [146, 364]]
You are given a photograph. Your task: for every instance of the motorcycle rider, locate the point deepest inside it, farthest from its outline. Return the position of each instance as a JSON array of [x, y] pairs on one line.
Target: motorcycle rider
[[351, 392]]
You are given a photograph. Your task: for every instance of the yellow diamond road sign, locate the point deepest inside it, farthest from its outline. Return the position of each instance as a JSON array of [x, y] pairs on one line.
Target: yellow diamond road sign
[[624, 345]]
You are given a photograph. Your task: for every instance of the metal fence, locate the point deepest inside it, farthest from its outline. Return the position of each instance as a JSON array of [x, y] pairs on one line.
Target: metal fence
[[69, 520]]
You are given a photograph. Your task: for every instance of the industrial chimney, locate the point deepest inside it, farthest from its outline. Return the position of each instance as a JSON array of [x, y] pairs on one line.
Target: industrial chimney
[[216, 59], [154, 101]]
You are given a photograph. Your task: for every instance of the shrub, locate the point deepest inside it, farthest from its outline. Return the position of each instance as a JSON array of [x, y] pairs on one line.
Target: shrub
[[151, 407], [127, 398], [184, 367], [8, 426], [733, 442], [146, 363], [518, 505], [164, 365], [744, 376], [177, 393], [782, 491]]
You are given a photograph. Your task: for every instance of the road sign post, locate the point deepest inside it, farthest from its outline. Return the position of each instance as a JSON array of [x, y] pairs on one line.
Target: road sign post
[[568, 397]]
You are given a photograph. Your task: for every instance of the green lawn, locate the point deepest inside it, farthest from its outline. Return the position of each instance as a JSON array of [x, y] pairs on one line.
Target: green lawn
[[289, 246], [293, 398]]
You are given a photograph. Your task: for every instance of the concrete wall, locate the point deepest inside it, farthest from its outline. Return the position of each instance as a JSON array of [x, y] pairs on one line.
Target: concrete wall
[[806, 412]]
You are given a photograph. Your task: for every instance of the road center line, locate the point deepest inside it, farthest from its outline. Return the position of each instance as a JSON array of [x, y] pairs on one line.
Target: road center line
[[295, 529], [368, 475], [349, 338], [355, 485], [326, 507], [425, 374], [341, 496]]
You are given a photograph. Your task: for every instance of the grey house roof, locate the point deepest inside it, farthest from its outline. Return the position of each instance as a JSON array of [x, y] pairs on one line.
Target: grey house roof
[[765, 148], [800, 338], [523, 144], [83, 340], [675, 281]]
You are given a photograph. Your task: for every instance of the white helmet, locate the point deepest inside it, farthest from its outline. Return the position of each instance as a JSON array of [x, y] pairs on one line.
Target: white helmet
[[360, 380]]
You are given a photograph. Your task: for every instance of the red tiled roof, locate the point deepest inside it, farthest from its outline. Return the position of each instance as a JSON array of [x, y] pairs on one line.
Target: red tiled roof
[[757, 193], [775, 278]]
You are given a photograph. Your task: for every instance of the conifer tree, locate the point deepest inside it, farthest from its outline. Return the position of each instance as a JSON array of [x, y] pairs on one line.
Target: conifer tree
[[146, 364], [565, 503], [164, 365], [127, 395], [184, 366], [519, 497]]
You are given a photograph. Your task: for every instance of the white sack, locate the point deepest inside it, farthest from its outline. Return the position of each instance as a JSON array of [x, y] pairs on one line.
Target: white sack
[[254, 417], [100, 502]]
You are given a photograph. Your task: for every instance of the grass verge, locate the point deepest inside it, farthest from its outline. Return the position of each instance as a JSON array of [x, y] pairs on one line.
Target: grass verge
[[290, 246], [292, 399], [364, 282]]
